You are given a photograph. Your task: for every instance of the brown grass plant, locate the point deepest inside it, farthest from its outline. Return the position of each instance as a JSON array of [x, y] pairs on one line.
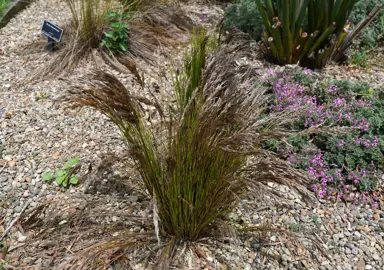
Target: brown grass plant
[[206, 154]]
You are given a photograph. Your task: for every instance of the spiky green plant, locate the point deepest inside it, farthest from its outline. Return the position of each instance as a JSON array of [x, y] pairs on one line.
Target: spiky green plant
[[196, 166], [308, 32]]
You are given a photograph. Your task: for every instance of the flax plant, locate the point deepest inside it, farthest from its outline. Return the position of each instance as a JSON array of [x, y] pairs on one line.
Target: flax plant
[[309, 32], [197, 165]]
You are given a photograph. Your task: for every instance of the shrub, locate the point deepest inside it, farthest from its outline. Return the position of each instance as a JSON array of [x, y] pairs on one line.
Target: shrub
[[116, 38], [341, 163], [374, 32], [360, 58], [306, 31], [194, 163], [245, 16]]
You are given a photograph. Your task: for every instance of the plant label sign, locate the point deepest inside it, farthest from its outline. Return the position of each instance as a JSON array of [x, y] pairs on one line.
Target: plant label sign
[[52, 31]]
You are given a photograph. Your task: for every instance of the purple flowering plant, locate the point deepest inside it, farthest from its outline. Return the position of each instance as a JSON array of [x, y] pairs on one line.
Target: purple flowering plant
[[339, 164]]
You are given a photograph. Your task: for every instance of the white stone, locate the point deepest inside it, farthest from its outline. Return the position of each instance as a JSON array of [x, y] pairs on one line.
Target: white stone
[[62, 222]]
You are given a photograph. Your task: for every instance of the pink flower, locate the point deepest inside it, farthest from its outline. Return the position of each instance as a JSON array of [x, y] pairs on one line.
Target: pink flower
[[356, 180], [307, 71], [341, 143], [375, 141], [367, 143], [322, 193], [271, 72], [333, 89], [374, 205], [338, 102]]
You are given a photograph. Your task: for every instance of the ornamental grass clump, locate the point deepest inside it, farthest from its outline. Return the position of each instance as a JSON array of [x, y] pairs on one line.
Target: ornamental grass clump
[[309, 32], [201, 155]]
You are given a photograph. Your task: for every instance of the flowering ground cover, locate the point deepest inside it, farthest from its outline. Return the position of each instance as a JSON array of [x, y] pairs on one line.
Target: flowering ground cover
[[346, 165]]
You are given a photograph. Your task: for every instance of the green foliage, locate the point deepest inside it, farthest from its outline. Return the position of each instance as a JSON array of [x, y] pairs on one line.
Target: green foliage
[[375, 31], [185, 81], [116, 38], [245, 16], [305, 31], [360, 58], [3, 5], [64, 177], [302, 78]]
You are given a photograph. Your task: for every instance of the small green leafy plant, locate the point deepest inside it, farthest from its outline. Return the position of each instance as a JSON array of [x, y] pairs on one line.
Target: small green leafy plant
[[116, 38], [64, 177]]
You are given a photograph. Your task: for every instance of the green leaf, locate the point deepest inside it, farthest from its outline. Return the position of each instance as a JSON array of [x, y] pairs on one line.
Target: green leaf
[[60, 173], [123, 47], [116, 25], [110, 15], [64, 184], [109, 34], [71, 162], [47, 176], [74, 180], [60, 179]]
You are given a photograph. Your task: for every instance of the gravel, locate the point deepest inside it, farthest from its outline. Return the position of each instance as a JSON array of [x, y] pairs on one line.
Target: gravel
[[38, 134]]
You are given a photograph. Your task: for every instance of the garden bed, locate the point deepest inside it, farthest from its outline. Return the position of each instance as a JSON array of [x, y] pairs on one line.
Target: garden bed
[[38, 134]]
